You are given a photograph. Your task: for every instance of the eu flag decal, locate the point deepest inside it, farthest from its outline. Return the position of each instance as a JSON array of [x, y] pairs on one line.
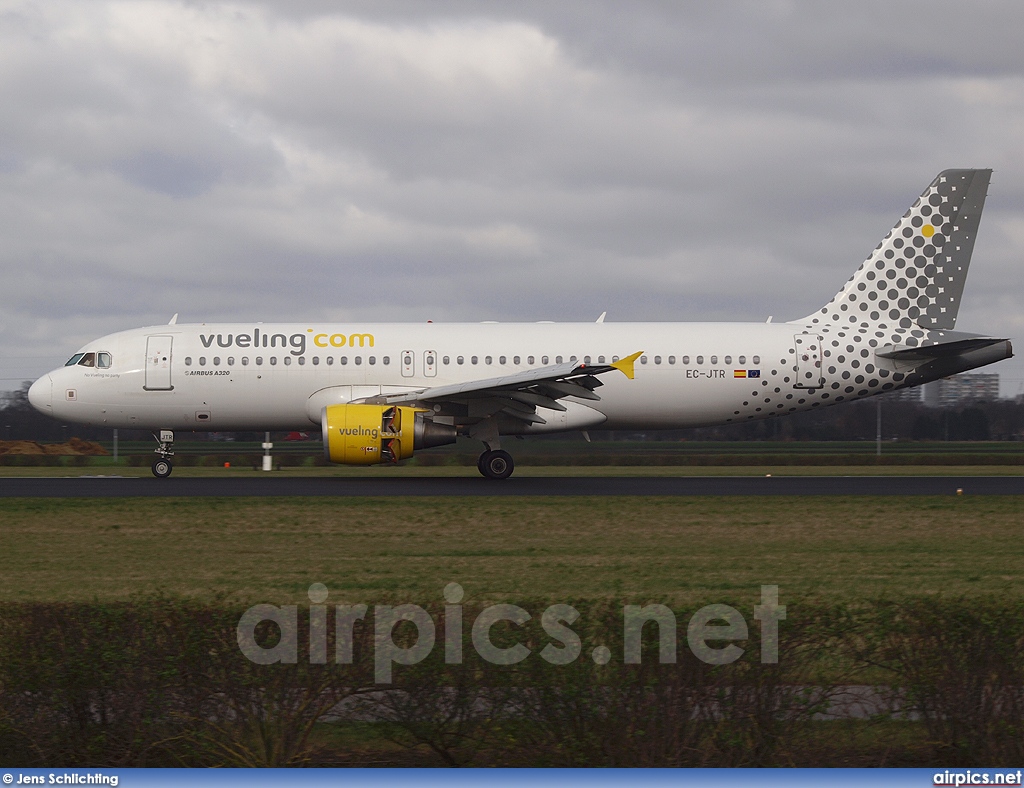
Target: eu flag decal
[[753, 373]]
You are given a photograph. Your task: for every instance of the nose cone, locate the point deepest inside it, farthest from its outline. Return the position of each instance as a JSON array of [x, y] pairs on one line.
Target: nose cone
[[40, 395]]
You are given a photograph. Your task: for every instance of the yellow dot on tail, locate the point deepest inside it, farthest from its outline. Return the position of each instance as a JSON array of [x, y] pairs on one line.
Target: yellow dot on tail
[[927, 231]]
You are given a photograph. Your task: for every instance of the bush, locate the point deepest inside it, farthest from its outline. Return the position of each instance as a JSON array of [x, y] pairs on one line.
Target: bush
[[162, 682], [959, 665]]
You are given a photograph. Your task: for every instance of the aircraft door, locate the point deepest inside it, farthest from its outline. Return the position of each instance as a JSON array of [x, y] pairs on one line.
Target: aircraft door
[[158, 364], [430, 363], [408, 363], [808, 362]]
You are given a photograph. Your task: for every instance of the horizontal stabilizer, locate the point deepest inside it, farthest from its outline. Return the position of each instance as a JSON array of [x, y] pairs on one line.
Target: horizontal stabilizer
[[941, 350]]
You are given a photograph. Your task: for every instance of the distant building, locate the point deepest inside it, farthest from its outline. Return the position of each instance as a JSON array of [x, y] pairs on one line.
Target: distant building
[[913, 394], [961, 389]]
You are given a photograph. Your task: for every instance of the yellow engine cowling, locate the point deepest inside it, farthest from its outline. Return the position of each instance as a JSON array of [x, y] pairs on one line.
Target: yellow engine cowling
[[372, 434]]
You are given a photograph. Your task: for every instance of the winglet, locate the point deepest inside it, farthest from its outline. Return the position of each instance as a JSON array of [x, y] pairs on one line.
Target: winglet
[[626, 365]]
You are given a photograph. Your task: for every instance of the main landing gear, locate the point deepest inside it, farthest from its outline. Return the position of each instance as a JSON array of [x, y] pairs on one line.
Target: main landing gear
[[162, 466], [496, 464]]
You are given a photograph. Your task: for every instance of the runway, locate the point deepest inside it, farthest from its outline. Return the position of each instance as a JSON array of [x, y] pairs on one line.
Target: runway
[[112, 487]]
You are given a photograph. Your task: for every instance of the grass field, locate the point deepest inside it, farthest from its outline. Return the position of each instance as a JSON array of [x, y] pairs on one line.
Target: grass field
[[680, 550]]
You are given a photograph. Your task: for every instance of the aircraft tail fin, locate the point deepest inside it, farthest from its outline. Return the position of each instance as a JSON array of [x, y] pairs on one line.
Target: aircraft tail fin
[[915, 277]]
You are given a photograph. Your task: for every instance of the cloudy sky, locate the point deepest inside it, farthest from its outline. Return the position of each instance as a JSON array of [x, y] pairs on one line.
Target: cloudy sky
[[486, 161]]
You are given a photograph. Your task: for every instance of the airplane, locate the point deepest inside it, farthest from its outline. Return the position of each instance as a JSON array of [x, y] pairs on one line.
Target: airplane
[[380, 392]]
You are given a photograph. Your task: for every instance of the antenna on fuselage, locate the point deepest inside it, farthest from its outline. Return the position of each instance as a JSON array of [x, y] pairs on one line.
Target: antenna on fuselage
[[174, 319], [601, 318]]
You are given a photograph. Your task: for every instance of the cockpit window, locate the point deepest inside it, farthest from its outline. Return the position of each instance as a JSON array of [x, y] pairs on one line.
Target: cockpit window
[[104, 360], [88, 360], [74, 359]]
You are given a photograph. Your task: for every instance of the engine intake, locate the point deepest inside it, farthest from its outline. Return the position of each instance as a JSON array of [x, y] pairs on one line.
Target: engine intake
[[372, 434]]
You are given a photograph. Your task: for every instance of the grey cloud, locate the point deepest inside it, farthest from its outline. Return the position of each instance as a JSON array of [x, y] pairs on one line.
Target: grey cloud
[[175, 176], [400, 160]]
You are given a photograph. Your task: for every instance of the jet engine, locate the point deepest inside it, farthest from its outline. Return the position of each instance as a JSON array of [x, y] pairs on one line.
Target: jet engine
[[372, 434]]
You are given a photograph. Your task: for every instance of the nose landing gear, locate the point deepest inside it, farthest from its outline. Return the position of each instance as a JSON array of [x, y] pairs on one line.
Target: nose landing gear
[[162, 466], [496, 464]]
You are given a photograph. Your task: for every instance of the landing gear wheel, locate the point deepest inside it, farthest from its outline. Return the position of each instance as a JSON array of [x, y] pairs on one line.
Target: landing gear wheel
[[162, 468], [496, 464]]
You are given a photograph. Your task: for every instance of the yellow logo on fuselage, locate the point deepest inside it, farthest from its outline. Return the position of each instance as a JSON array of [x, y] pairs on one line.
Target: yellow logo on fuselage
[[341, 340]]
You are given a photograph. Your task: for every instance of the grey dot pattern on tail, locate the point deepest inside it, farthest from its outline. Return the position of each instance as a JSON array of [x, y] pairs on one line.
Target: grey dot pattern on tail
[[906, 293], [915, 275]]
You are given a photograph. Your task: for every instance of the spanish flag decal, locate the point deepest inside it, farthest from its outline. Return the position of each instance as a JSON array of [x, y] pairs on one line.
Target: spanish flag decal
[[739, 373]]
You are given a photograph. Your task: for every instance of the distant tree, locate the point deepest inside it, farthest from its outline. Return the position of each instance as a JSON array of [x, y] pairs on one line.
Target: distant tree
[[20, 421], [23, 422], [926, 428], [970, 424]]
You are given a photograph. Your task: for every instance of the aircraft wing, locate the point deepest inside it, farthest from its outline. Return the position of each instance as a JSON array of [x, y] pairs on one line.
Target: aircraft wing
[[519, 395]]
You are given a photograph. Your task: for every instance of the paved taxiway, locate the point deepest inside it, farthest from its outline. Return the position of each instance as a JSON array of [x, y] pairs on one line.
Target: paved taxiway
[[113, 487]]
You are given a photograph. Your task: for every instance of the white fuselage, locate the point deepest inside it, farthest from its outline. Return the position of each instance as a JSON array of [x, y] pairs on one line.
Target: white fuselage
[[280, 376]]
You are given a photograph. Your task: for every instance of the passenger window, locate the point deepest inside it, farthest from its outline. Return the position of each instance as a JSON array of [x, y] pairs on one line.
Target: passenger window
[[460, 360], [757, 359], [104, 359], [671, 359], [231, 361], [600, 359], [515, 359], [202, 361], [573, 359], [446, 360], [544, 360], [586, 359], [529, 359], [330, 361], [188, 361], [386, 360], [473, 360], [728, 359], [714, 359], [216, 361], [643, 359], [302, 361], [358, 360], [558, 359], [487, 359], [700, 359], [287, 361], [74, 359], [245, 361], [273, 361], [501, 360], [686, 359], [259, 361], [343, 360], [657, 359], [372, 360], [316, 361], [742, 359]]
